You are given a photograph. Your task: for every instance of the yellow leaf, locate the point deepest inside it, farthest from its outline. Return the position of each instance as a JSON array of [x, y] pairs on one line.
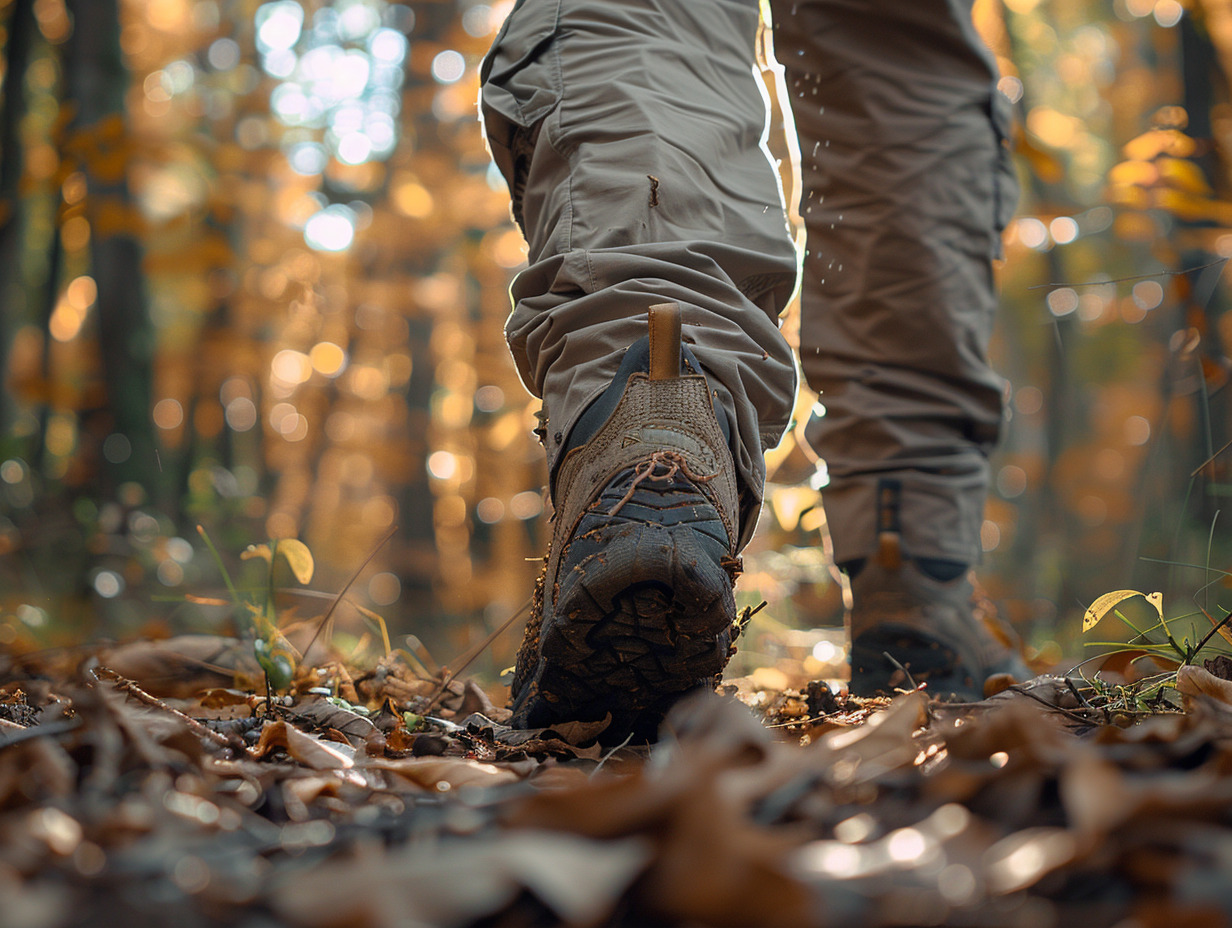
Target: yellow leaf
[[298, 556], [1105, 604], [257, 551]]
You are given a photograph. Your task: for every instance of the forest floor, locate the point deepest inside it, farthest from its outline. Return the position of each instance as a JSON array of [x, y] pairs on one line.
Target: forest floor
[[148, 784]]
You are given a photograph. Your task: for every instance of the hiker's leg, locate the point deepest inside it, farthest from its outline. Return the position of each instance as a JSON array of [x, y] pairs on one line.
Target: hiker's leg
[[631, 135], [907, 186], [630, 132]]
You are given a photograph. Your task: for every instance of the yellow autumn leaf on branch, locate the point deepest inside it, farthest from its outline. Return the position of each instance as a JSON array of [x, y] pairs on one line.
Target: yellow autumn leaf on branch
[[1106, 603], [298, 556], [296, 553]]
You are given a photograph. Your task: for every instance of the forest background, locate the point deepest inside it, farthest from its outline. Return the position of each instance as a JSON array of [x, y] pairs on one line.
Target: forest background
[[254, 268]]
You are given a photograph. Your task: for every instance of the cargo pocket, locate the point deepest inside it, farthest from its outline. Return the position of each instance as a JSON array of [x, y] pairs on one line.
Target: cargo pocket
[[520, 84]]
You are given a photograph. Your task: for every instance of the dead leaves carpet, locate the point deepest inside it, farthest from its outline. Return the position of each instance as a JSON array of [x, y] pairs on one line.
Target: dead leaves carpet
[[129, 802]]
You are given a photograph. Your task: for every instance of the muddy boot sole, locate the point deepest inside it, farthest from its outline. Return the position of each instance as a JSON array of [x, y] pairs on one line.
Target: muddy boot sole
[[643, 616]]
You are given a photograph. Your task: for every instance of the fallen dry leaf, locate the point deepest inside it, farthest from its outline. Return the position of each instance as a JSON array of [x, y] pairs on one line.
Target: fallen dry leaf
[[309, 750], [1195, 681]]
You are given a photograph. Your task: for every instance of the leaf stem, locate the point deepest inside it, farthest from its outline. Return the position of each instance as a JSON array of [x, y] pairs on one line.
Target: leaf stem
[[222, 568]]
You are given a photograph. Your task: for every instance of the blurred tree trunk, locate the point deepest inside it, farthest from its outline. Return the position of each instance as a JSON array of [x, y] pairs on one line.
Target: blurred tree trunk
[[1204, 87], [22, 33], [95, 85]]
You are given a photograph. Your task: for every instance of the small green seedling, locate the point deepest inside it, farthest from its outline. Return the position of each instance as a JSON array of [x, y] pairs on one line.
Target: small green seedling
[[273, 652]]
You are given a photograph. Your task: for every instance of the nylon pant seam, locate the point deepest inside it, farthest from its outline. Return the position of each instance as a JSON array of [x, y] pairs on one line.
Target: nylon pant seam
[[554, 124]]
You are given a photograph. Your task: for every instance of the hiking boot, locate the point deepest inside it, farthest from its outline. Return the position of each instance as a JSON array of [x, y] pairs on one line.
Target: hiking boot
[[635, 606], [915, 621]]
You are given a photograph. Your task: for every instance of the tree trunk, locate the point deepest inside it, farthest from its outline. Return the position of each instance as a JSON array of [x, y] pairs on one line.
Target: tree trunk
[[96, 81], [22, 34]]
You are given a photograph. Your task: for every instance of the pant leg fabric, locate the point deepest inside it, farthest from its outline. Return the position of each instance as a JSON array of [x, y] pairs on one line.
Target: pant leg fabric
[[631, 134], [906, 188]]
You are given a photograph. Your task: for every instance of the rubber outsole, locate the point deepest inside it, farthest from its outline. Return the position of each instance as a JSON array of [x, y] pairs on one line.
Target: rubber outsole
[[643, 613], [926, 659]]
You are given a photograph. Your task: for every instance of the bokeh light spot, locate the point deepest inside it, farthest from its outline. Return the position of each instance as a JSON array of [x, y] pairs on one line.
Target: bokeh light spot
[[906, 844], [442, 465], [489, 398], [117, 448], [526, 505], [170, 573], [1062, 301], [108, 584], [489, 510], [168, 414], [1148, 294], [1031, 232], [1168, 13], [448, 66], [1064, 229], [75, 233], [223, 54], [388, 45], [354, 148], [1011, 481], [332, 229], [82, 292], [241, 414], [1029, 400], [327, 359], [307, 158], [1137, 430], [413, 200], [384, 589], [478, 22], [1011, 87], [278, 25], [290, 366], [12, 471]]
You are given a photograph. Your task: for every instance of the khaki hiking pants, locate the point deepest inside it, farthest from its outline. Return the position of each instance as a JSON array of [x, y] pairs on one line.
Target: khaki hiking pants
[[632, 134]]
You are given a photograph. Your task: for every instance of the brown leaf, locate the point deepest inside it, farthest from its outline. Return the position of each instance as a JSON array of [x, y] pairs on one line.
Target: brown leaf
[[882, 743], [1195, 681], [307, 749], [324, 714]]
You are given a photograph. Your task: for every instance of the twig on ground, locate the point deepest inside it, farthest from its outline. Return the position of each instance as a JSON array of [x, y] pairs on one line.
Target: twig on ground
[[132, 689], [604, 759], [1017, 688]]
